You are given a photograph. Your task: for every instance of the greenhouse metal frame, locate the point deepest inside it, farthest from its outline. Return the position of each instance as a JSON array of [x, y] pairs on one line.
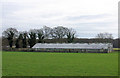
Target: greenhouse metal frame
[[74, 47]]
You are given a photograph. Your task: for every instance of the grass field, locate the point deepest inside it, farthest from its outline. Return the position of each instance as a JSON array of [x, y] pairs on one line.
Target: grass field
[[60, 64]]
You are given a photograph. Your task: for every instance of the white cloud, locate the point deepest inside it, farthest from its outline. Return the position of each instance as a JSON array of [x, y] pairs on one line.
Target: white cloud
[[99, 15]]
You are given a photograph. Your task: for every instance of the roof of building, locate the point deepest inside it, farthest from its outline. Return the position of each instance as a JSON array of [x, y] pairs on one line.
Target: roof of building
[[73, 45]]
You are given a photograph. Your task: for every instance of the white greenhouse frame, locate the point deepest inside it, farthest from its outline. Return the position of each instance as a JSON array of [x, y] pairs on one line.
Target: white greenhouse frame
[[74, 47]]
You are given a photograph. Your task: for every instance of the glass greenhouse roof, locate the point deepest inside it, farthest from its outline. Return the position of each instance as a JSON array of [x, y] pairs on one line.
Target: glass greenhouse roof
[[73, 45]]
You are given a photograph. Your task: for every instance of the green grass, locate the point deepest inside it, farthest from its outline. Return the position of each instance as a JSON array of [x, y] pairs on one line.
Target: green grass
[[60, 64]]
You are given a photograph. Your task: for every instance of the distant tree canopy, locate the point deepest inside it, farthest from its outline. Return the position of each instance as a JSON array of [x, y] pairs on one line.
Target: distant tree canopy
[[40, 35], [18, 40], [24, 39], [46, 34], [59, 32], [105, 35], [70, 35], [46, 31], [32, 39], [10, 34]]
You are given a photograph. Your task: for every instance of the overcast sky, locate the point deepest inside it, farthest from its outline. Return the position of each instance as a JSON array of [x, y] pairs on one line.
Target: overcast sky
[[87, 17]]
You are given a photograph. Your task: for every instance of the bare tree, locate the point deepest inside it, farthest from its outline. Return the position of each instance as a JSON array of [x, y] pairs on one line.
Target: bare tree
[[70, 35], [10, 34], [105, 35], [59, 32], [32, 37], [18, 40], [46, 31], [24, 39], [40, 35]]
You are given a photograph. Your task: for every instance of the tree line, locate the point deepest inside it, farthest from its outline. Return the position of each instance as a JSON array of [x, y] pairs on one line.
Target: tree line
[[34, 36], [46, 35]]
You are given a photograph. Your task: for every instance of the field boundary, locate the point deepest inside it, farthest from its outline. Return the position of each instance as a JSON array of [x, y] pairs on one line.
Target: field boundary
[[57, 50]]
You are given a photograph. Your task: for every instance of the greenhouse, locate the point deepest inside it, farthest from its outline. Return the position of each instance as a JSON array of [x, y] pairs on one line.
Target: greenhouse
[[74, 47]]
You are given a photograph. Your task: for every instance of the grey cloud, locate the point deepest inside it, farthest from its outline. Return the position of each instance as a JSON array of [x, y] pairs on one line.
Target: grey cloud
[[24, 24], [88, 17], [9, 8]]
